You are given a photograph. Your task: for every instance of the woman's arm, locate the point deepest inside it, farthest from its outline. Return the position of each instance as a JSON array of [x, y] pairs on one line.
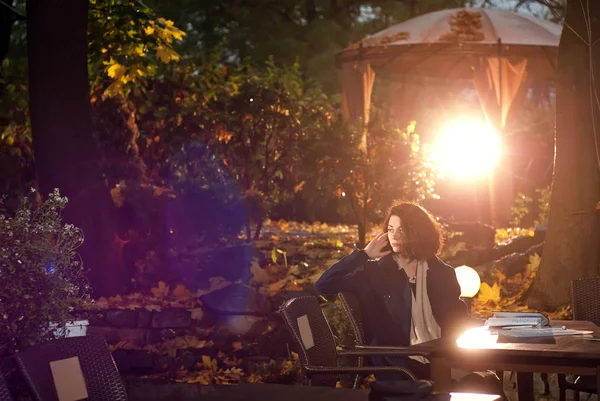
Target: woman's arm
[[345, 275], [348, 274]]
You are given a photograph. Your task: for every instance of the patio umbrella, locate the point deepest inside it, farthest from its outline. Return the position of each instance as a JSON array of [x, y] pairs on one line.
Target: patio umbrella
[[498, 50]]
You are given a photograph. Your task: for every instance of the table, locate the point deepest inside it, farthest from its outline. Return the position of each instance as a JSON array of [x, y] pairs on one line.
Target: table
[[288, 392], [480, 350]]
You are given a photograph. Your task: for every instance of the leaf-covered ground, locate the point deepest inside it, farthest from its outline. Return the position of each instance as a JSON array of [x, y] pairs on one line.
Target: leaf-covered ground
[[295, 255]]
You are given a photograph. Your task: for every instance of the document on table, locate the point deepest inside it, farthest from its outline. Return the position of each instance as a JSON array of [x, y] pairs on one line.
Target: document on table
[[500, 319], [542, 332]]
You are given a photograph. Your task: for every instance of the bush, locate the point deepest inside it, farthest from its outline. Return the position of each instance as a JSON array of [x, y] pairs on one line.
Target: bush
[[41, 275]]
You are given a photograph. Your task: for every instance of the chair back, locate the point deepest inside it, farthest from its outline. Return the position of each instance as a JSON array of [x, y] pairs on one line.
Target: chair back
[[354, 313], [4, 393], [100, 373], [585, 299], [312, 335]]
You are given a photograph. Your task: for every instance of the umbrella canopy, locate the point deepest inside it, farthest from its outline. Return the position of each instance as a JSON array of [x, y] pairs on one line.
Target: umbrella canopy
[[498, 49], [448, 43]]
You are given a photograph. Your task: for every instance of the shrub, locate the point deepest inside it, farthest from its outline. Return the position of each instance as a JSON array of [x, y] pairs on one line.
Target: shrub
[[41, 275], [522, 204]]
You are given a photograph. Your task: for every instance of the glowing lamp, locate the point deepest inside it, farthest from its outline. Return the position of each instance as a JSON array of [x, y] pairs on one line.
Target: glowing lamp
[[469, 281]]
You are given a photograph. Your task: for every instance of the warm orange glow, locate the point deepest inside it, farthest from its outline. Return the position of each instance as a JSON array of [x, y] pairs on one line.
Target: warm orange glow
[[468, 149], [472, 397], [477, 337]]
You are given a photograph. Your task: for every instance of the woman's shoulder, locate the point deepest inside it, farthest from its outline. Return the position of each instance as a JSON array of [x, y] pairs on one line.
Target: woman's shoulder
[[438, 264], [376, 265]]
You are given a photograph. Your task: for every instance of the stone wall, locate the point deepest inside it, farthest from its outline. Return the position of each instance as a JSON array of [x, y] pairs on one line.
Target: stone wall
[[231, 328]]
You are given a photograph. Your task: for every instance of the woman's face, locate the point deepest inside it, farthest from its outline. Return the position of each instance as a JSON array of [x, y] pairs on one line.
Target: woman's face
[[395, 234]]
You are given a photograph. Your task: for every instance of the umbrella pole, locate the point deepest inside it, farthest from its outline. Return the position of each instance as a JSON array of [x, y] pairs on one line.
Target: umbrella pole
[[500, 97], [493, 177], [501, 182]]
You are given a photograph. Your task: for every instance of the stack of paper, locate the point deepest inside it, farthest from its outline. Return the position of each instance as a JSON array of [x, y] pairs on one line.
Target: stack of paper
[[542, 332], [501, 319]]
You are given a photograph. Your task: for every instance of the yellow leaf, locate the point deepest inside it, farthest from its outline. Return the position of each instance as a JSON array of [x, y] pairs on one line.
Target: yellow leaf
[[102, 302], [534, 262], [149, 30], [116, 299], [487, 293], [166, 54], [200, 379], [272, 289], [237, 345], [499, 275], [177, 33], [274, 255], [166, 22], [181, 292], [116, 70], [161, 291], [206, 362], [117, 198], [299, 187], [113, 89], [197, 313], [152, 308]]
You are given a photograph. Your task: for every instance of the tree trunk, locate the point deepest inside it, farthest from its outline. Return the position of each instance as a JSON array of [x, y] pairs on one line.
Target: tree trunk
[[571, 247], [362, 234], [414, 8], [66, 155], [7, 17], [363, 225]]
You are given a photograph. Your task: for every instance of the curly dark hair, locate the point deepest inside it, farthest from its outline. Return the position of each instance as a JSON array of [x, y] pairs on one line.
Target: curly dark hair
[[423, 239]]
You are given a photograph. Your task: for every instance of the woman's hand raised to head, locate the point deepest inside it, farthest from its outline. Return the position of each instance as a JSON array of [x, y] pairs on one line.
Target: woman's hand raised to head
[[374, 249]]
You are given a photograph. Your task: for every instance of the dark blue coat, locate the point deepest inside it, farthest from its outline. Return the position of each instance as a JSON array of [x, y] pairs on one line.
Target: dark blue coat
[[384, 293]]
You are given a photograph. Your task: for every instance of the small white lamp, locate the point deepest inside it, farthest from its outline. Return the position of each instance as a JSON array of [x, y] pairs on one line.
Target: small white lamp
[[469, 282]]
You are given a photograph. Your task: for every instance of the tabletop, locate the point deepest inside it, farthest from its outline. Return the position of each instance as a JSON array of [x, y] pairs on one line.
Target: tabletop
[[483, 343], [278, 392]]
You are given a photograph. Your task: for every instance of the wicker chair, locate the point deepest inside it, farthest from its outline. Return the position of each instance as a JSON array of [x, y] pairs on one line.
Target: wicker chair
[[353, 311], [101, 376], [320, 362], [585, 303], [4, 393]]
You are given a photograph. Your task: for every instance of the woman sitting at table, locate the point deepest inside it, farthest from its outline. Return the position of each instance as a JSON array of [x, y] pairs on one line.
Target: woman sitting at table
[[408, 294]]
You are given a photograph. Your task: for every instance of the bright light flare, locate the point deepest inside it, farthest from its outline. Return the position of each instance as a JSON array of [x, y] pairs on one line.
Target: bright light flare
[[476, 338], [468, 149]]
